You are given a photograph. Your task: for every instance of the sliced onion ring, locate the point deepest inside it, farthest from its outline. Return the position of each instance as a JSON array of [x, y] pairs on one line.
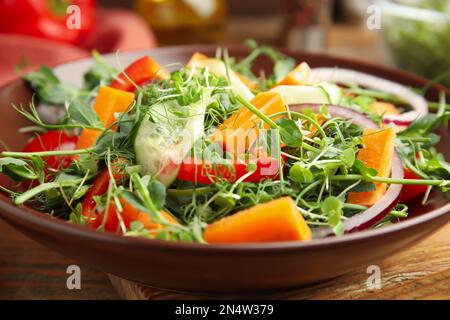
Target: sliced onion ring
[[349, 77], [338, 111], [378, 211]]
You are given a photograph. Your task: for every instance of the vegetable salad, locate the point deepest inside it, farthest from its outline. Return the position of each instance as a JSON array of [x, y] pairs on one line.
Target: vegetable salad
[[215, 151]]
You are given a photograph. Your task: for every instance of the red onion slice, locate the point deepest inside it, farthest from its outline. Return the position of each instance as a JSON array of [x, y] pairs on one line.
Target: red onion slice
[[348, 77], [338, 111], [374, 214]]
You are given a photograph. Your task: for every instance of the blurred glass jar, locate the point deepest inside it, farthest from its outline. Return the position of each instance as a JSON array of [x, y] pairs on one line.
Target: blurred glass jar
[[306, 24], [185, 21], [417, 34]]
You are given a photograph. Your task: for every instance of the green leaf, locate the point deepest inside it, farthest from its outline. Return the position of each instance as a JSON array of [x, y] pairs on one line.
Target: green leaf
[[339, 229], [106, 141], [422, 126], [225, 200], [437, 166], [136, 226], [38, 163], [81, 192], [251, 167], [282, 64], [299, 173], [17, 169], [132, 199], [364, 186], [331, 204], [76, 216], [44, 74], [67, 177], [348, 157], [400, 211], [100, 73], [332, 207], [251, 43], [360, 167], [165, 235], [157, 193], [431, 164], [282, 68], [112, 140], [81, 113], [290, 133], [128, 128], [48, 87], [82, 165]]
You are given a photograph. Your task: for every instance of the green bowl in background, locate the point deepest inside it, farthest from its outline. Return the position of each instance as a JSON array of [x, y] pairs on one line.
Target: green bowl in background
[[417, 33]]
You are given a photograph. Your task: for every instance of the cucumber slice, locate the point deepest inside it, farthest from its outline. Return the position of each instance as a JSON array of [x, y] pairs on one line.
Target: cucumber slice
[[218, 67], [164, 138], [334, 92], [325, 93]]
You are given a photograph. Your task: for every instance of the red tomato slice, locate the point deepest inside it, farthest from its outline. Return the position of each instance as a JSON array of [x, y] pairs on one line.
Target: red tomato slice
[[98, 188], [140, 71], [410, 192], [206, 173]]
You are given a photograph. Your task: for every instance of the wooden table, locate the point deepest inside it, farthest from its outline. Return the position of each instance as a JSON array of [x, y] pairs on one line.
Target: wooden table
[[30, 271]]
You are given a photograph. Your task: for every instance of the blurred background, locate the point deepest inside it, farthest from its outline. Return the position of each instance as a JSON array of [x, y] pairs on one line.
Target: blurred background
[[415, 34]]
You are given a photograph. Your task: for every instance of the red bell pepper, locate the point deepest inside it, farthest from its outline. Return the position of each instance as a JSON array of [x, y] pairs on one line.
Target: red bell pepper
[[129, 213], [52, 141], [193, 170], [100, 187], [139, 72], [48, 19], [410, 192]]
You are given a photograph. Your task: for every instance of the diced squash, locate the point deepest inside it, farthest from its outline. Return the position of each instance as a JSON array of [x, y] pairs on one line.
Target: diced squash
[[199, 58], [377, 153], [217, 67], [108, 102], [196, 57], [381, 108], [238, 132], [320, 119], [130, 214], [248, 82], [298, 76], [277, 220]]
